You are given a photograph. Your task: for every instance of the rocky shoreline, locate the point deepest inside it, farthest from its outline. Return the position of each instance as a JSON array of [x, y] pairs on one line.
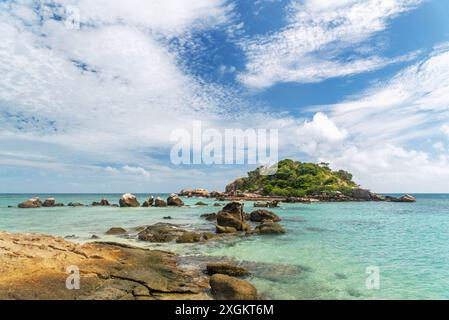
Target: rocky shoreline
[[36, 266]]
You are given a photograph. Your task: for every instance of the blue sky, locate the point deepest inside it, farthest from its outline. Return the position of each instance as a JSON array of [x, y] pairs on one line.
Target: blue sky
[[363, 85]]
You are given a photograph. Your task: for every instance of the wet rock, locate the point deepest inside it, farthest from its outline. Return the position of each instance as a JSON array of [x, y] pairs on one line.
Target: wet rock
[[229, 269], [361, 194], [161, 232], [31, 203], [189, 237], [216, 204], [10, 206], [269, 204], [405, 198], [174, 200], [158, 202], [103, 202], [201, 203], [95, 237], [116, 231], [167, 218], [148, 203], [264, 215], [221, 229], [224, 287], [209, 216], [270, 228], [129, 200], [75, 204], [232, 216], [50, 202]]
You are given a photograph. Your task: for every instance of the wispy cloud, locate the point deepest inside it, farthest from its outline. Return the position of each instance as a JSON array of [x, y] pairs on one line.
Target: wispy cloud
[[323, 39]]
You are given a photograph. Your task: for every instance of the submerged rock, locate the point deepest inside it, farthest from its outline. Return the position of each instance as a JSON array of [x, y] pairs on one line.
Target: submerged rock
[[174, 200], [201, 203], [75, 204], [209, 216], [224, 287], [405, 198], [116, 231], [270, 228], [189, 237], [229, 269], [264, 215], [31, 203], [103, 202], [129, 200], [161, 232], [221, 229], [50, 202]]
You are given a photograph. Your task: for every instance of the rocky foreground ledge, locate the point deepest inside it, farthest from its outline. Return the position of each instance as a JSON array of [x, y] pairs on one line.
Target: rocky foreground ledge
[[34, 266]]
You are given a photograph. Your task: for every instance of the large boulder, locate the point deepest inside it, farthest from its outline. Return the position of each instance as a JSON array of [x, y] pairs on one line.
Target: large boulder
[[160, 232], [232, 216], [148, 203], [235, 208], [361, 194], [270, 228], [174, 200], [129, 200], [224, 287], [31, 203], [405, 198], [264, 215], [158, 202], [103, 202], [229, 269], [50, 202]]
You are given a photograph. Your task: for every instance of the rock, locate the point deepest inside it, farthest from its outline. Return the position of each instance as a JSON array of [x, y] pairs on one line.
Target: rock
[[148, 203], [59, 205], [216, 204], [129, 200], [224, 287], [201, 203], [221, 229], [189, 237], [209, 216], [174, 200], [405, 198], [207, 235], [194, 193], [235, 208], [108, 271], [10, 206], [31, 203], [269, 204], [235, 185], [116, 231], [158, 202], [361, 194], [160, 232], [264, 215], [75, 204], [226, 268], [270, 228], [95, 237], [103, 202], [226, 219], [167, 218], [50, 202]]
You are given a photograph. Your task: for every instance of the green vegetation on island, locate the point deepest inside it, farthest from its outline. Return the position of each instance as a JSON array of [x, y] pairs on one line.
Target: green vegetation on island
[[296, 179]]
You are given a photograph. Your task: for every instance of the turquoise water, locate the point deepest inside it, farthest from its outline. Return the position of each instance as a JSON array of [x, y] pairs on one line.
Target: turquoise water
[[323, 255]]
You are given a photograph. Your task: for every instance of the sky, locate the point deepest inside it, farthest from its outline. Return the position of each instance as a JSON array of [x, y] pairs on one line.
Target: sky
[[91, 91]]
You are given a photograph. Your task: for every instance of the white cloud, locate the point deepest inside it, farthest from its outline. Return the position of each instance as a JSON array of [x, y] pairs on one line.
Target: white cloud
[[445, 129], [310, 47]]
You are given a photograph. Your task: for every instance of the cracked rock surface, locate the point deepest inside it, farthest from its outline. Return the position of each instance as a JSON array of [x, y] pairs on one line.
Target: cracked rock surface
[[34, 266]]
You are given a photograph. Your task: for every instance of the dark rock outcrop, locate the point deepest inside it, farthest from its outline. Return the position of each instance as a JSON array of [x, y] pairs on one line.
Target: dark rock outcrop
[[226, 268], [201, 203], [269, 204], [405, 198], [75, 204], [209, 216], [232, 216], [103, 202], [158, 202], [31, 203], [50, 202], [174, 200], [148, 203], [224, 287], [129, 200], [270, 228], [264, 215]]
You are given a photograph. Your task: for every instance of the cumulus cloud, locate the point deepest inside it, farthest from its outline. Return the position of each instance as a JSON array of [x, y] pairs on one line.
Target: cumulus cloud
[[310, 48]]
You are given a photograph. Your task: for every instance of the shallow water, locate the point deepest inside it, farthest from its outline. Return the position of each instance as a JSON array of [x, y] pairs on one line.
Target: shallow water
[[324, 254]]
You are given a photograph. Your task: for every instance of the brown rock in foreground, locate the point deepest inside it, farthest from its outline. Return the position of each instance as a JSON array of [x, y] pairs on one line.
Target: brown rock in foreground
[[36, 266], [224, 287], [229, 269]]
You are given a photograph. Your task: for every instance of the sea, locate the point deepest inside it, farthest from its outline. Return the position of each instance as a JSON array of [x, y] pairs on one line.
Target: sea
[[346, 250]]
